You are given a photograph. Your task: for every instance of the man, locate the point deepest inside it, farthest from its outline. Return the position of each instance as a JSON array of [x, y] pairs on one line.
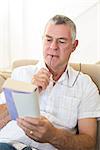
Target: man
[[67, 97]]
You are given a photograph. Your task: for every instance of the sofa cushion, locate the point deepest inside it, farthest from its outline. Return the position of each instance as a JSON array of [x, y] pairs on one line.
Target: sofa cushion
[[23, 62], [3, 76], [1, 82], [93, 70]]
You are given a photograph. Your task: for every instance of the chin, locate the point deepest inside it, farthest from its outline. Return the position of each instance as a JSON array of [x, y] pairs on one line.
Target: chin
[[51, 67]]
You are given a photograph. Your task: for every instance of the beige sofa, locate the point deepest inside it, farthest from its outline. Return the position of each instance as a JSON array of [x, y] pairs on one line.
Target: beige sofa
[[3, 76], [92, 70]]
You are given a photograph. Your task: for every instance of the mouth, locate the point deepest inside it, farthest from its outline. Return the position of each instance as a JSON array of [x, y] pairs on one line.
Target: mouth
[[51, 60], [53, 55]]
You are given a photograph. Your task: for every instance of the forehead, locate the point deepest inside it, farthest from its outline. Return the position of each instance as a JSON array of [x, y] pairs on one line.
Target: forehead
[[59, 30]]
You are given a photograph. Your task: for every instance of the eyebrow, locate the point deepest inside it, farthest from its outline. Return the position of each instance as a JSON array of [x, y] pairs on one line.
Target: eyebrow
[[48, 36], [61, 38]]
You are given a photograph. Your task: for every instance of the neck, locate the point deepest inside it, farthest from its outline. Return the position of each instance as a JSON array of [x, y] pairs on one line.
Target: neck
[[56, 74]]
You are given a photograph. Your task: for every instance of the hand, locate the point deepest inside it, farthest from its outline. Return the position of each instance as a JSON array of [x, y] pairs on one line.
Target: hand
[[38, 129], [4, 115], [41, 79]]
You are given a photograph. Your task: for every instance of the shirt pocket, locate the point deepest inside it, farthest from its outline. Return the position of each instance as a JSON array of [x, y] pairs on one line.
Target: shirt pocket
[[67, 110]]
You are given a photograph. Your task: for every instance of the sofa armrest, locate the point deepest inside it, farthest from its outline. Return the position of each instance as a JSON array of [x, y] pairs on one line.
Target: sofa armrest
[[3, 76], [23, 62], [2, 80]]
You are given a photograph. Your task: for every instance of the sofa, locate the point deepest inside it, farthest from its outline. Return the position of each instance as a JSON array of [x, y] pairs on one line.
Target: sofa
[[93, 70]]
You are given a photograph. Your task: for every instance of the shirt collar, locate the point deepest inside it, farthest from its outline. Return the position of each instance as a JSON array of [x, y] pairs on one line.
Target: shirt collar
[[64, 76], [72, 76], [69, 76]]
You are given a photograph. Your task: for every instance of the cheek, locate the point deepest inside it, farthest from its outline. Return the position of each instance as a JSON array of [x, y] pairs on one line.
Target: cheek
[[64, 56], [45, 52], [45, 49], [67, 51]]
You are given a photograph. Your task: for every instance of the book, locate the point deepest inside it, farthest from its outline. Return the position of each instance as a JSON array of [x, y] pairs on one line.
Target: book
[[22, 98]]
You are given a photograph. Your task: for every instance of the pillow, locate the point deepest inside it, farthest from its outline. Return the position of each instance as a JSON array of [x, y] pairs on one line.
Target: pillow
[[1, 82]]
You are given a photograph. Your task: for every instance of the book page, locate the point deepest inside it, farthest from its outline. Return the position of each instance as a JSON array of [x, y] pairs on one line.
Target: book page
[[27, 104]]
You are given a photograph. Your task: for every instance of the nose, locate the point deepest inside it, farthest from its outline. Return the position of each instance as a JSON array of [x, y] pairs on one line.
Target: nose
[[54, 45]]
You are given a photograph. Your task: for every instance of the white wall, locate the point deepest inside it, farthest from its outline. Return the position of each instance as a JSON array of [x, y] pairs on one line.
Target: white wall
[[88, 31], [22, 23]]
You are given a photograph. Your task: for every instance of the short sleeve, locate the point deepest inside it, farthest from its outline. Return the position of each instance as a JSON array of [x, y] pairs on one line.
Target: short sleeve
[[90, 101], [23, 73]]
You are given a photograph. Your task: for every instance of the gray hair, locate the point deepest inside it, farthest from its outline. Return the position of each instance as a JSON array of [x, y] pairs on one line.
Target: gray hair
[[60, 19]]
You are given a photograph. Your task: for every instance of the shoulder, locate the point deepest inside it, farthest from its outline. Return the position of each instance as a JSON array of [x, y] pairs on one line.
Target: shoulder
[[84, 81], [24, 73], [88, 94], [22, 69]]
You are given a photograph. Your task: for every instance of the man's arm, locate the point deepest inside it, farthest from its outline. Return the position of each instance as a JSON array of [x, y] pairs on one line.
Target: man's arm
[[85, 140], [4, 115], [44, 132]]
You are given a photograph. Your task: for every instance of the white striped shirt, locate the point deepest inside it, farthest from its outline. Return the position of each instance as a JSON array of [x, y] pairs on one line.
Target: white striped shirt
[[64, 104]]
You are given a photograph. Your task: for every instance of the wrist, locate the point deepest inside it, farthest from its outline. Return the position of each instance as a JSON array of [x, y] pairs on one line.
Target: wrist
[[54, 136]]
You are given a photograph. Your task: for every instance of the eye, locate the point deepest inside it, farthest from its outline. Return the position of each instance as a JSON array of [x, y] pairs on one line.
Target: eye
[[48, 39], [62, 41]]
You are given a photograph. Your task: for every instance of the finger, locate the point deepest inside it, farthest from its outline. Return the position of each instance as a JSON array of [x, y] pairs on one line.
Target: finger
[[44, 78], [29, 130], [45, 71], [33, 136], [41, 84], [21, 125], [40, 77], [41, 81], [33, 121]]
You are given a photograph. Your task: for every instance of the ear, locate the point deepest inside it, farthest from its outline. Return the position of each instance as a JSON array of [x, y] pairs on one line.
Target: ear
[[75, 44]]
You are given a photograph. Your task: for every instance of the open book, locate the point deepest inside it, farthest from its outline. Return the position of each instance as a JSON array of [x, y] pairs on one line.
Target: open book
[[21, 98]]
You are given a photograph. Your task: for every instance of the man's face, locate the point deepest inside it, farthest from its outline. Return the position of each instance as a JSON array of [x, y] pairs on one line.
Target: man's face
[[57, 46]]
